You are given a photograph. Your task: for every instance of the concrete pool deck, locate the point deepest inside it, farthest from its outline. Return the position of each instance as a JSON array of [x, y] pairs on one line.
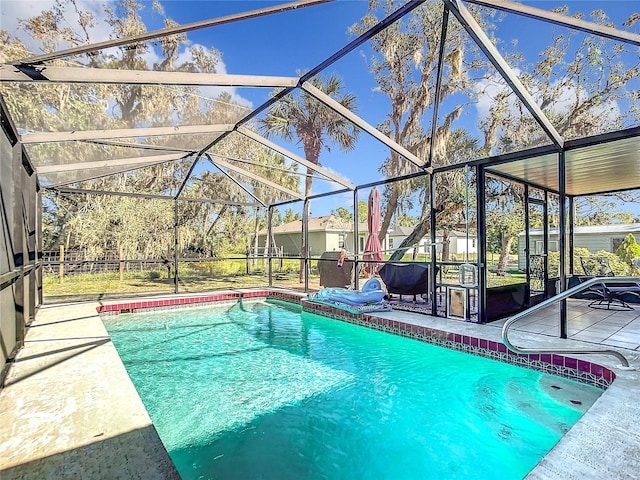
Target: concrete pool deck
[[69, 409], [605, 442]]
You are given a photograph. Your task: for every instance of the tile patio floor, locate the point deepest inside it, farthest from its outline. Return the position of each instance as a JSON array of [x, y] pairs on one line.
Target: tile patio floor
[[613, 328], [69, 409]]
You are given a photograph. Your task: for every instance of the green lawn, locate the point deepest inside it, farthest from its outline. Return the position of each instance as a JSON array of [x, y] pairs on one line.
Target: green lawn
[[204, 276], [108, 285]]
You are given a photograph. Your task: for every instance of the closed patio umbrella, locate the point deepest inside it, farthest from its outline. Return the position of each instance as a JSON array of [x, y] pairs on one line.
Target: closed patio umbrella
[[372, 248]]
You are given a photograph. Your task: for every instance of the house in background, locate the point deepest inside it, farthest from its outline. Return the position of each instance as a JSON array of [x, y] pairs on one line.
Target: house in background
[[457, 243], [330, 233], [593, 237]]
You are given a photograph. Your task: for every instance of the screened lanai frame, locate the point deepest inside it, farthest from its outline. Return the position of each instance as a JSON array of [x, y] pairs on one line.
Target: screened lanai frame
[[556, 168]]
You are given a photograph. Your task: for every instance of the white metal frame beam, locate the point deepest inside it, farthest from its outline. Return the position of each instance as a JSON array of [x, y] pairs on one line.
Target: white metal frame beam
[[270, 167], [559, 19], [165, 32], [221, 163], [138, 145], [43, 73], [267, 143], [66, 182], [48, 137], [475, 31], [120, 162], [355, 119], [124, 169], [147, 195]]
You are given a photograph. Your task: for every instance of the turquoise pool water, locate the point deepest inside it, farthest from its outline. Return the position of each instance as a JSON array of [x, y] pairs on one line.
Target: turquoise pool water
[[263, 391]]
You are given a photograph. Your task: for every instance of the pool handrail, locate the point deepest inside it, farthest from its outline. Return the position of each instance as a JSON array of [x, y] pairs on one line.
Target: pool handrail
[[555, 299]]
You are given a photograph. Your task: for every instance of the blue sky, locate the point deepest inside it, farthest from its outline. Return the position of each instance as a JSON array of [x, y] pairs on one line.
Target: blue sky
[[284, 43], [274, 44]]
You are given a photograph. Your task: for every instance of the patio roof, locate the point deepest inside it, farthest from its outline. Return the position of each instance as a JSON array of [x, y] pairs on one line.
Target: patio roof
[[602, 163], [596, 165]]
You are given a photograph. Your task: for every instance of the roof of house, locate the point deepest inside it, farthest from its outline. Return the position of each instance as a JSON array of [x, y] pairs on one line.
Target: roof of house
[[619, 228], [402, 231], [327, 223], [331, 223]]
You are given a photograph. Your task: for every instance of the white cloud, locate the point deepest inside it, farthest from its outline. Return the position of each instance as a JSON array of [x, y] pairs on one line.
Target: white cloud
[[12, 11], [221, 68], [330, 185], [488, 89]]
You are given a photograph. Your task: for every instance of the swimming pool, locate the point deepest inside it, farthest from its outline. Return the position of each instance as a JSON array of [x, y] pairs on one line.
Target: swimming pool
[[263, 390]]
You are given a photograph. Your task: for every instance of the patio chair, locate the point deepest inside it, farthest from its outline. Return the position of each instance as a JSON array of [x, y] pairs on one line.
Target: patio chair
[[618, 295], [595, 266]]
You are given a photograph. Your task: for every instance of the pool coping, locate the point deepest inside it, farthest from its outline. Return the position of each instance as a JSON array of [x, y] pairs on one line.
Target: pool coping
[[584, 371], [68, 408], [603, 444]]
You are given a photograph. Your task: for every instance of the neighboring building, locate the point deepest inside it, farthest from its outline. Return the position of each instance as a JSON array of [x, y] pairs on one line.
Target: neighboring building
[[593, 237], [328, 233], [331, 233], [457, 242]]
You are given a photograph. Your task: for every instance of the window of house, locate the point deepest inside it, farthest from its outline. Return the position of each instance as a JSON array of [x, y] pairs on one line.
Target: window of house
[[341, 237], [539, 246], [390, 243], [615, 243], [362, 244]]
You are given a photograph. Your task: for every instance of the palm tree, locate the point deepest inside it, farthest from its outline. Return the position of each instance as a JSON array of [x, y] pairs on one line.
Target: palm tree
[[272, 168], [312, 122]]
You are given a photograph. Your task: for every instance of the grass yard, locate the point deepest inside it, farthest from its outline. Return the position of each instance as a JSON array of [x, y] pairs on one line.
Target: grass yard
[[108, 285], [197, 277]]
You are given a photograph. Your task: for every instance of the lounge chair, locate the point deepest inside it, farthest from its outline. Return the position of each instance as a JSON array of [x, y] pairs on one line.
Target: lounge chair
[[617, 295], [595, 266], [603, 294]]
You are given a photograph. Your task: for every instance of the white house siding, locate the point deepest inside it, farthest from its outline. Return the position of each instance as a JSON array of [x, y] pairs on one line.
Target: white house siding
[[458, 245], [594, 239], [325, 236], [319, 242], [522, 263], [329, 242], [289, 242]]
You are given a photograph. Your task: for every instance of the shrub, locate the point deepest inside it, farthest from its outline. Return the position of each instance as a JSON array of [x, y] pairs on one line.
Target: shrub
[[153, 275], [554, 261], [628, 250], [619, 267]]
